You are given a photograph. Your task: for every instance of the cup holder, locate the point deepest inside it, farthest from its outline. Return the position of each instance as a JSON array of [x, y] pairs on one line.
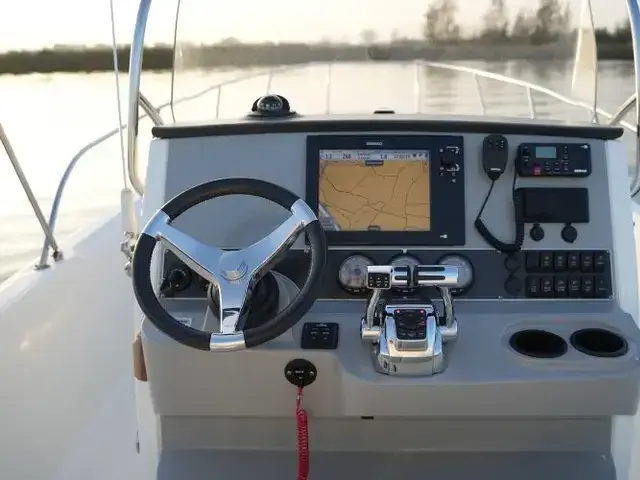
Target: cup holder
[[538, 344], [598, 342]]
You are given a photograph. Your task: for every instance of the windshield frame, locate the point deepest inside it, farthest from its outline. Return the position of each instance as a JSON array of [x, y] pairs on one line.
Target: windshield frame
[[135, 69]]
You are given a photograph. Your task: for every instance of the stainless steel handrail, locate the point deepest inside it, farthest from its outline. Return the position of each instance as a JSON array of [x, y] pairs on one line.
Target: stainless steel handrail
[[628, 104], [27, 189], [528, 86], [135, 74], [156, 118]]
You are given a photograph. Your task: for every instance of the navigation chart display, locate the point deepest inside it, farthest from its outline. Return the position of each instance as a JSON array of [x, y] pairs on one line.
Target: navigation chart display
[[375, 190]]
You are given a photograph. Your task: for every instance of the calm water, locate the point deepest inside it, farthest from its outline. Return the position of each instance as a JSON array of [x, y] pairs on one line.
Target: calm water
[[50, 117]]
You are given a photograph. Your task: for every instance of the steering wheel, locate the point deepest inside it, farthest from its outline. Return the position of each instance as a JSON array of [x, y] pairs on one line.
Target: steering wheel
[[234, 272]]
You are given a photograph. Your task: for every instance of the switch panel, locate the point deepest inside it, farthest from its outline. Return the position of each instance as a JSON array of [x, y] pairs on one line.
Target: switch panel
[[567, 274]]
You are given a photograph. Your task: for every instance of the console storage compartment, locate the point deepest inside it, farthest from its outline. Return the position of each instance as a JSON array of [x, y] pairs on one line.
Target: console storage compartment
[[598, 342], [538, 344]]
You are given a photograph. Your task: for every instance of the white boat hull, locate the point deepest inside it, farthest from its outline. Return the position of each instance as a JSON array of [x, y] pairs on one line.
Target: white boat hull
[[67, 404]]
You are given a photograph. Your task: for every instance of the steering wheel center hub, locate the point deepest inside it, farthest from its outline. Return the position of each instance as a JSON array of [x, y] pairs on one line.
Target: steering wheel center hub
[[232, 271]]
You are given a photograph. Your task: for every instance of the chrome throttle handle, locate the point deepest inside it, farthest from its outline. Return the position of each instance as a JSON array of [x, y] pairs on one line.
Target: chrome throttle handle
[[379, 279], [443, 277]]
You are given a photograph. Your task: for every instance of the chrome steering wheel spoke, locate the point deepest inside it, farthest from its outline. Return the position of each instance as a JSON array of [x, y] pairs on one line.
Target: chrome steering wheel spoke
[[233, 297], [202, 259], [258, 258], [240, 270]]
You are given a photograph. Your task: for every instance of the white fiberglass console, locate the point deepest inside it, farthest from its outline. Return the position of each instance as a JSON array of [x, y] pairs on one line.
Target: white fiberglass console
[[462, 290]]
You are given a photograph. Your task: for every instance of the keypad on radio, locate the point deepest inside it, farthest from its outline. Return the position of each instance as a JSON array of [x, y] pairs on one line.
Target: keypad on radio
[[567, 274]]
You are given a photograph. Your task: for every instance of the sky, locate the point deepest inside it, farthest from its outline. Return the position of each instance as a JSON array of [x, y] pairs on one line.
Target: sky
[[86, 22]]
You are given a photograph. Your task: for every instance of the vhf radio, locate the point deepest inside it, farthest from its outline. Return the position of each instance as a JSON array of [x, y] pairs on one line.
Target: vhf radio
[[553, 160]]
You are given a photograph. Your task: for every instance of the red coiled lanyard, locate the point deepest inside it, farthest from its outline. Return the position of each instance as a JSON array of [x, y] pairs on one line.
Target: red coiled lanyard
[[303, 438]]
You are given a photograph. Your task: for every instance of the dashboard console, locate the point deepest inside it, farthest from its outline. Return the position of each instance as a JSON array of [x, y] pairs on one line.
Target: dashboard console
[[520, 216]]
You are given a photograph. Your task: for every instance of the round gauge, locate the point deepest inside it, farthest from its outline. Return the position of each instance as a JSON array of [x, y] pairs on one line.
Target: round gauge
[[465, 271], [405, 261], [352, 274]]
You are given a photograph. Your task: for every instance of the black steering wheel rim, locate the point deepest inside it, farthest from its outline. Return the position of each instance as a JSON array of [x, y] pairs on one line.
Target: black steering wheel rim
[[276, 326]]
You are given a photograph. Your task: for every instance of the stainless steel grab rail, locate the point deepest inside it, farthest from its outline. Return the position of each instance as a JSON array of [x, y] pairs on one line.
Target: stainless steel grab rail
[[27, 189], [151, 112], [135, 75], [532, 87]]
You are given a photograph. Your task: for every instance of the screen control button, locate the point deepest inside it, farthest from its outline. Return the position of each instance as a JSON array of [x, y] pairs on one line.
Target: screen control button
[[559, 261], [546, 261], [573, 287], [532, 287], [600, 261], [560, 287], [573, 261], [586, 262], [602, 289], [587, 287], [546, 287], [532, 262]]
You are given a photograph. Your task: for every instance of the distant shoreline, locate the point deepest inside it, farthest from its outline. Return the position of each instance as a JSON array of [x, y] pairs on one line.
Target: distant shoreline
[[160, 58]]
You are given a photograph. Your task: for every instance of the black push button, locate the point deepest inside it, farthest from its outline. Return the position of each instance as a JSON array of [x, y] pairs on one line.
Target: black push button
[[320, 336], [573, 262], [586, 262], [532, 262], [532, 287], [587, 287], [560, 287], [559, 261], [378, 280], [546, 261], [602, 289], [546, 287], [574, 285], [600, 261]]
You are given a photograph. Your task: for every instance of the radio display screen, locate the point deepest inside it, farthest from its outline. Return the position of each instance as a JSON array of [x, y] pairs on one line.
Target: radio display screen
[[546, 152], [374, 190]]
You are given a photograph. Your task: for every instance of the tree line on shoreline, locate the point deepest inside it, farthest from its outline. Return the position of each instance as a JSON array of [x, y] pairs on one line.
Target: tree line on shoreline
[[541, 34], [548, 23]]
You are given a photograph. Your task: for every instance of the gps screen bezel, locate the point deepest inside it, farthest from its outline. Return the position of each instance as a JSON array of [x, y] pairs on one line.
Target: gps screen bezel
[[447, 212]]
